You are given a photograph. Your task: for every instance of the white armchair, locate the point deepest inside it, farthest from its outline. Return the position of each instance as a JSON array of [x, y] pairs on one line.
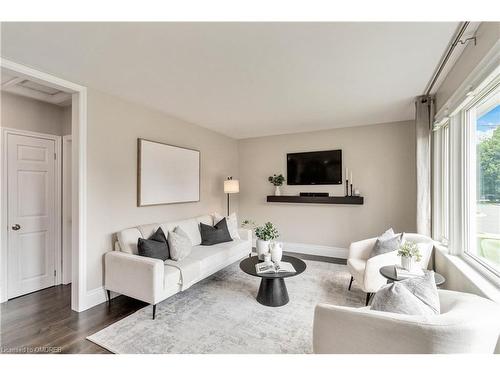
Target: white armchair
[[365, 270], [467, 324]]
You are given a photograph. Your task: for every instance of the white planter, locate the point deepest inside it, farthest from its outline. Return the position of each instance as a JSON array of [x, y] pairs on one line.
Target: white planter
[[407, 263], [276, 249], [277, 191], [262, 248]]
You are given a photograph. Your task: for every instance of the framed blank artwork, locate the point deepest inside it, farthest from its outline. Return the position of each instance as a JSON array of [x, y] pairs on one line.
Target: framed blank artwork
[[166, 174]]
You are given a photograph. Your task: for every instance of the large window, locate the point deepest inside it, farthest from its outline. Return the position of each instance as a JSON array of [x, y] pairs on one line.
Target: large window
[[482, 132], [466, 177]]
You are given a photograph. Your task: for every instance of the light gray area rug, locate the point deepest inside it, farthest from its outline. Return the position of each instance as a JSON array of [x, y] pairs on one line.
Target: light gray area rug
[[221, 315]]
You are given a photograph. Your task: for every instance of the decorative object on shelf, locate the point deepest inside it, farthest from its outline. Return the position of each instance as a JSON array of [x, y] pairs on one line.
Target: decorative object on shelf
[[351, 181], [277, 181], [264, 233], [408, 252], [267, 257], [231, 187], [346, 181], [357, 193], [276, 249]]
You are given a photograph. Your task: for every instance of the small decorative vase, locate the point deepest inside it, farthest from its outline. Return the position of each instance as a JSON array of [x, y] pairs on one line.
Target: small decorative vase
[[277, 191], [262, 248], [276, 251], [407, 263]]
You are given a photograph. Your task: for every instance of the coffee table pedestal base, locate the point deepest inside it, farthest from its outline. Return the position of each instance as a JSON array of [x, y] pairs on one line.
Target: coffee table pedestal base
[[273, 292]]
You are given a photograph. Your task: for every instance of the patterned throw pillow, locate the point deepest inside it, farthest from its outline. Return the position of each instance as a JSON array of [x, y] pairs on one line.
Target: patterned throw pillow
[[386, 243], [413, 296], [179, 244]]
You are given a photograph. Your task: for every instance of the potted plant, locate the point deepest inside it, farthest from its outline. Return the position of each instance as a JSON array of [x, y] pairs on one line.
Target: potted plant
[[409, 252], [264, 233], [277, 181]]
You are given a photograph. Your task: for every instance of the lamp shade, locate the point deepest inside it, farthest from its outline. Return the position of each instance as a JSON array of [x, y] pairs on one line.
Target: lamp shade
[[231, 186]]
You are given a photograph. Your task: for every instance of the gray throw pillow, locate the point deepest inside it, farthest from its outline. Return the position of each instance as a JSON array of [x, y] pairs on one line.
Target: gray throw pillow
[[212, 235], [386, 243], [413, 296], [179, 244]]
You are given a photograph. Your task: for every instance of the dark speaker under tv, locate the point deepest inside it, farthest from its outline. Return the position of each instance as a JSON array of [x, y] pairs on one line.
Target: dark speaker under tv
[[314, 194], [314, 168]]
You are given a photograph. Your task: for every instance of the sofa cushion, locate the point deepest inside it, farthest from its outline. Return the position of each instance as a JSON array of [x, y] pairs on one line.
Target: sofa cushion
[[128, 238], [211, 257], [189, 226], [232, 224], [413, 296], [212, 235], [155, 246], [179, 244]]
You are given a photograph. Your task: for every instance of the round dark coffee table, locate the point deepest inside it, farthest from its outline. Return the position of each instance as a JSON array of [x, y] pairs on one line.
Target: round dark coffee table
[[272, 290], [389, 273]]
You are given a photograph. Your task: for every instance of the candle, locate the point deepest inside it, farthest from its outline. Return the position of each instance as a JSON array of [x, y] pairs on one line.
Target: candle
[[351, 178], [346, 173]]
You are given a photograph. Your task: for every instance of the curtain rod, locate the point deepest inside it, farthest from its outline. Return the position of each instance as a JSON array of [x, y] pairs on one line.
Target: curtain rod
[[447, 56]]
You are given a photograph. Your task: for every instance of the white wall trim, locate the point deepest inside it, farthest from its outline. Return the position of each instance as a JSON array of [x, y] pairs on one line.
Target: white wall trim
[[4, 200], [471, 85], [321, 250], [79, 295], [65, 228]]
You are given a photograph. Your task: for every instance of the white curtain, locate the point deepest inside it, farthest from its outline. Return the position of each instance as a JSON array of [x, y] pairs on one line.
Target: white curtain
[[424, 115]]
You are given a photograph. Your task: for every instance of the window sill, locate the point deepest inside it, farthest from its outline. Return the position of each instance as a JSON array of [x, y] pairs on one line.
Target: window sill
[[488, 288]]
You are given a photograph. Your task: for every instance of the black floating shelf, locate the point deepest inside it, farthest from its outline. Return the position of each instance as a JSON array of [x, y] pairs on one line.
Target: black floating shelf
[[322, 200]]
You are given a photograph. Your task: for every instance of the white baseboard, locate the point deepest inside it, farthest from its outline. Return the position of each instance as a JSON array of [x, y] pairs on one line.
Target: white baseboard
[[321, 250], [95, 297]]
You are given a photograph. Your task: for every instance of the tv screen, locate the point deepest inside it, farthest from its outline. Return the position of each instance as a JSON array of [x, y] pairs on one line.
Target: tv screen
[[315, 168]]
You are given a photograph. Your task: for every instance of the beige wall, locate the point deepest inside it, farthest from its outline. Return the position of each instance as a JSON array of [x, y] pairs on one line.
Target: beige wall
[[487, 35], [23, 113], [66, 121], [382, 158], [113, 128]]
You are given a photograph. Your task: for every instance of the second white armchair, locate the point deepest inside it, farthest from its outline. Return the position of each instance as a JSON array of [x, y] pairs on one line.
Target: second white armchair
[[365, 270]]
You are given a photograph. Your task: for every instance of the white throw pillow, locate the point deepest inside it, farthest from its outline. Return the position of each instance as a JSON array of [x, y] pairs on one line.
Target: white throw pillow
[[179, 244], [232, 224]]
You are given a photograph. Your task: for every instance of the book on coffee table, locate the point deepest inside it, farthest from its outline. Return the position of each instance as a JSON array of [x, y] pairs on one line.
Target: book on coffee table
[[402, 273], [274, 267]]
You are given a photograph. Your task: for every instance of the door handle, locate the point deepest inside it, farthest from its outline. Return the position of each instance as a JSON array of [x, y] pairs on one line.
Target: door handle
[[16, 227]]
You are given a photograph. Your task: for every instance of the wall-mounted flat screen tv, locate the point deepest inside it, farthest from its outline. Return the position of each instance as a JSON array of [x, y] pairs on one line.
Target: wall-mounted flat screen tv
[[315, 168]]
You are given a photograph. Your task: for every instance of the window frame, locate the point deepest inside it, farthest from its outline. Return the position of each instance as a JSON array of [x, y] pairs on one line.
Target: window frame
[[468, 124], [455, 219]]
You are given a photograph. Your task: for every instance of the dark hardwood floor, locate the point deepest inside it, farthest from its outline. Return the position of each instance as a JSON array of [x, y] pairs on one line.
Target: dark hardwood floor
[[43, 321]]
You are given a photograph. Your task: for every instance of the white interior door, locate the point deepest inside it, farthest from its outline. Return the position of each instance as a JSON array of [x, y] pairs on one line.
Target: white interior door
[[31, 204]]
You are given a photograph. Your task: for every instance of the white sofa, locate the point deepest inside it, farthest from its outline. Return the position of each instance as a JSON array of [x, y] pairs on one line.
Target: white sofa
[[365, 270], [467, 324], [152, 280]]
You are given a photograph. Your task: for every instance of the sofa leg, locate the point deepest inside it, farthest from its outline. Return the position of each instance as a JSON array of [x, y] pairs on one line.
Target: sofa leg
[[154, 311], [350, 283], [109, 295], [368, 296]]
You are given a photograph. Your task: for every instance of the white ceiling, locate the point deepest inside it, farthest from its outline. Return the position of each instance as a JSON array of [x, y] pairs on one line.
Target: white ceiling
[[22, 86], [244, 79]]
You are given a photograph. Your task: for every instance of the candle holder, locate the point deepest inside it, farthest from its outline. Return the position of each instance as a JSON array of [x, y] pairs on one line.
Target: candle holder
[[346, 188], [351, 190]]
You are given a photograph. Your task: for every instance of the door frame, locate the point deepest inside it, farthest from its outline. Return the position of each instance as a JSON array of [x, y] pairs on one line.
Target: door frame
[[65, 231], [58, 200], [81, 299]]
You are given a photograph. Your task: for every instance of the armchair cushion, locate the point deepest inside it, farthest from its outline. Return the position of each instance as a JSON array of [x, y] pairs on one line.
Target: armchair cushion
[[414, 296]]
